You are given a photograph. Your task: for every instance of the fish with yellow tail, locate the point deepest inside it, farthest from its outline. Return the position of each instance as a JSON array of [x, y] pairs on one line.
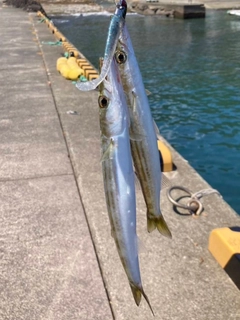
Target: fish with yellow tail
[[142, 133], [118, 176]]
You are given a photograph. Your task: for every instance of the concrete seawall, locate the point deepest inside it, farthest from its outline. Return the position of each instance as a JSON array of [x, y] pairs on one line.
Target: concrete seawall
[[74, 7], [58, 260]]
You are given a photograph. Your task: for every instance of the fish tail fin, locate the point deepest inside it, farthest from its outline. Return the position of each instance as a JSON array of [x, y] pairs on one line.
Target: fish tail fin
[[158, 222], [137, 294]]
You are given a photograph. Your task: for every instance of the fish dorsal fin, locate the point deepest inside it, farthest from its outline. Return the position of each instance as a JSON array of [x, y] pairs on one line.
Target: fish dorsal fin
[[156, 130]]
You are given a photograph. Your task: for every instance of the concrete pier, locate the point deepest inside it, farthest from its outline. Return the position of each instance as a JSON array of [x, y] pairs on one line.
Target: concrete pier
[[57, 258], [187, 11], [173, 9]]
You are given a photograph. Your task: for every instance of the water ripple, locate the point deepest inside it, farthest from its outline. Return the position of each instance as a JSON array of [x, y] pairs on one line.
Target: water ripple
[[191, 67]]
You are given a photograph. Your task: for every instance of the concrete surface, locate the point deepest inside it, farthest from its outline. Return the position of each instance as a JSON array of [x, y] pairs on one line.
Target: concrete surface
[[48, 267]]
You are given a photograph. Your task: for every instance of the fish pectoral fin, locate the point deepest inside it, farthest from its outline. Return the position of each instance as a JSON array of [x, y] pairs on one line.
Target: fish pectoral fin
[[108, 154], [159, 223], [134, 102], [148, 92], [137, 294]]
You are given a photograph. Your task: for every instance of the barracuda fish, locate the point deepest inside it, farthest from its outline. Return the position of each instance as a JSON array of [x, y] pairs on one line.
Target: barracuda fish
[[115, 27], [118, 174], [142, 132]]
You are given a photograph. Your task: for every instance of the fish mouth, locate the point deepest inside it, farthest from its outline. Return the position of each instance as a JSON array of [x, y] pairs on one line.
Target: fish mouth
[[121, 8]]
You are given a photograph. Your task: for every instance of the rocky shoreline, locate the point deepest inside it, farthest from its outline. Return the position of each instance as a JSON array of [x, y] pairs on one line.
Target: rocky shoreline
[[28, 5], [140, 8], [60, 7], [85, 6], [73, 8], [150, 9]]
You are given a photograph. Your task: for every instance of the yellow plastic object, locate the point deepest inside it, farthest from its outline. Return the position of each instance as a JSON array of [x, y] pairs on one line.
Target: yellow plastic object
[[71, 49], [69, 68], [75, 53], [91, 74], [52, 27], [224, 244], [39, 13], [68, 45], [81, 61], [72, 62], [64, 70], [60, 62], [60, 36], [74, 74], [75, 69], [167, 163]]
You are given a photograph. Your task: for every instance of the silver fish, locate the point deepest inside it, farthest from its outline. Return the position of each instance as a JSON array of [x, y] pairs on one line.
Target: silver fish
[[116, 25], [118, 174], [142, 132]]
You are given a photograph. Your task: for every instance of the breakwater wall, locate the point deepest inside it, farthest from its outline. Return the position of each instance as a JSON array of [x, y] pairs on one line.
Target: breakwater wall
[[211, 4]]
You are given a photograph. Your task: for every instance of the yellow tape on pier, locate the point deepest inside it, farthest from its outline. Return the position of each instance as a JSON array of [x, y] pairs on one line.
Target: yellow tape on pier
[[224, 244], [81, 65]]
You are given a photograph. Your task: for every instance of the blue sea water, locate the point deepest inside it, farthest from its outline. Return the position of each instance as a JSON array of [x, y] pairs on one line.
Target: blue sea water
[[192, 68]]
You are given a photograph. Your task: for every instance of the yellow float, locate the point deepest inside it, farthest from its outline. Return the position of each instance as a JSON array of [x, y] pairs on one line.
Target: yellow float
[[69, 68]]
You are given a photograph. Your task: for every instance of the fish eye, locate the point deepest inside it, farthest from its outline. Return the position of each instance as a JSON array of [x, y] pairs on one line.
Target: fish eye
[[103, 102], [120, 57]]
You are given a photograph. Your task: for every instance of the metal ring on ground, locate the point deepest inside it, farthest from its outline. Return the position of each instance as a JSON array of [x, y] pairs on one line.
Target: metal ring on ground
[[194, 206]]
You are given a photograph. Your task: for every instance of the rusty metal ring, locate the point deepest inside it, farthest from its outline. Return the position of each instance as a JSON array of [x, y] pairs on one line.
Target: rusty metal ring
[[189, 206]]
